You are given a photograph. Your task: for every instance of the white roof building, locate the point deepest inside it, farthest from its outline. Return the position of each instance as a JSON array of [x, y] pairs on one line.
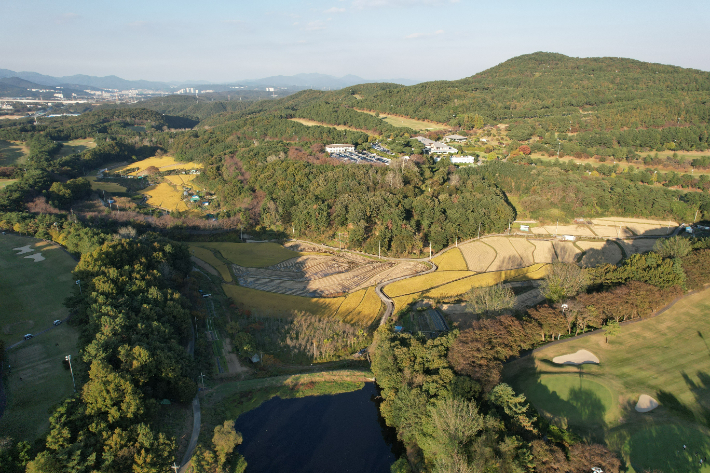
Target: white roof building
[[339, 148], [437, 148], [424, 141], [461, 159], [457, 138]]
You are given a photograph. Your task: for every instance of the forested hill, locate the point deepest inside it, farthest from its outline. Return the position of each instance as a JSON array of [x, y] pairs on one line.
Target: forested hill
[[592, 93]]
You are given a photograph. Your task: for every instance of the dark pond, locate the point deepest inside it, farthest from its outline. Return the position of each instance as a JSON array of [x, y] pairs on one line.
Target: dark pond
[[339, 433]]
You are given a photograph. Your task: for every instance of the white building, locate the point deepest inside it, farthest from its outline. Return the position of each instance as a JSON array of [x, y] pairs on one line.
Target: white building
[[439, 148], [456, 138], [460, 159], [339, 148], [424, 141]]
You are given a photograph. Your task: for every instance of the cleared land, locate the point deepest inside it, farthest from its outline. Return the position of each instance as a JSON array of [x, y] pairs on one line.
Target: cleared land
[[666, 357], [577, 230], [478, 255], [252, 255], [165, 196], [599, 252], [638, 245], [451, 260], [525, 250], [544, 251], [307, 122], [31, 297], [76, 146], [12, 152], [112, 187], [163, 163], [408, 122]]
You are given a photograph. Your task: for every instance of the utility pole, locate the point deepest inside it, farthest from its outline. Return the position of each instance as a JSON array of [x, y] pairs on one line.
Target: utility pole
[[429, 250], [78, 283], [68, 358], [479, 230], [379, 255], [203, 380], [696, 216], [557, 227]]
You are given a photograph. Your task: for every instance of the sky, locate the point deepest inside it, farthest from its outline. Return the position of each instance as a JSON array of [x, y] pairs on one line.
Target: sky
[[230, 40]]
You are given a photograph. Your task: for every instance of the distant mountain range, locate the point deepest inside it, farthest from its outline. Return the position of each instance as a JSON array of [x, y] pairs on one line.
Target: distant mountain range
[[298, 81]]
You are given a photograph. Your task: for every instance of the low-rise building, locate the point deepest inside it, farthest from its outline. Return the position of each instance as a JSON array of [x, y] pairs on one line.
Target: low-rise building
[[439, 148], [456, 138], [339, 148]]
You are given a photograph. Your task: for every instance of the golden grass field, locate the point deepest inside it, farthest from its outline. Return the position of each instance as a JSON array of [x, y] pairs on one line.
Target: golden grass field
[[451, 260], [280, 305], [163, 163], [424, 282], [208, 257], [307, 122], [408, 122], [165, 196], [252, 255], [181, 179]]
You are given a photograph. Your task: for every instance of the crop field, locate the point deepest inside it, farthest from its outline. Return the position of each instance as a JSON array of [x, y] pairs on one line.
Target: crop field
[[111, 187], [77, 146], [35, 279], [163, 163], [629, 220], [360, 308], [638, 245], [408, 122], [451, 260], [566, 251], [6, 182], [478, 255], [666, 357], [165, 196], [181, 179], [525, 250], [608, 231], [424, 282], [599, 252], [208, 257], [506, 256], [577, 230], [12, 152], [252, 255], [544, 251], [308, 122]]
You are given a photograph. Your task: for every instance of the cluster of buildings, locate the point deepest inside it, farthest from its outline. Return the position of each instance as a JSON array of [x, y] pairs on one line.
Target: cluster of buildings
[[437, 147]]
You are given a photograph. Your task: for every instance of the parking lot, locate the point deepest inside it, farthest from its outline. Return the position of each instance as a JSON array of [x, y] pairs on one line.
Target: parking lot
[[381, 148], [360, 157]]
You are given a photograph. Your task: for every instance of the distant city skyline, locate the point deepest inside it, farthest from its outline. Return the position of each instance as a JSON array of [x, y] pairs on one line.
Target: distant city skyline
[[419, 40]]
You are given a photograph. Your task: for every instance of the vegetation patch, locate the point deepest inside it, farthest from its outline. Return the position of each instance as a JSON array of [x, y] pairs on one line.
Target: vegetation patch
[[407, 122], [6, 182], [165, 196], [76, 146], [163, 163], [107, 186], [13, 152], [208, 257], [271, 304], [252, 255], [451, 260]]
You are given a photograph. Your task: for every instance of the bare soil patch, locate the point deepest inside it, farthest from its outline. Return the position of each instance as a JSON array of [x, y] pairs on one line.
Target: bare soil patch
[[578, 358]]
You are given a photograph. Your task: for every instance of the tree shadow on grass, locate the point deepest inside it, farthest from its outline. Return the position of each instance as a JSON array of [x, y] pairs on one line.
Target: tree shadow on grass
[[701, 392]]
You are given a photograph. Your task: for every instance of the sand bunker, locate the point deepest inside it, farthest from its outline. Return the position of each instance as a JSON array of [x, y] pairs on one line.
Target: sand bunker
[[24, 249], [579, 358], [37, 257], [646, 403]]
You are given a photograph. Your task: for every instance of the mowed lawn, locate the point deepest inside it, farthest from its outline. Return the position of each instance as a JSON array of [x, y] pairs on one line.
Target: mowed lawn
[[32, 296], [252, 255], [12, 152], [666, 357]]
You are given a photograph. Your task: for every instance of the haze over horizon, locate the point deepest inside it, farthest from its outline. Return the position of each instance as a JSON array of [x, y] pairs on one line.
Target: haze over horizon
[[373, 39]]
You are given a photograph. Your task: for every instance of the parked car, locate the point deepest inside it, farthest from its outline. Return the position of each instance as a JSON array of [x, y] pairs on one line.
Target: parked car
[[28, 336], [57, 322], [206, 295]]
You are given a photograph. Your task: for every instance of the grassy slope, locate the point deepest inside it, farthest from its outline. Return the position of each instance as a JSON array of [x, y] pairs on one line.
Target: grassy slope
[[666, 357], [31, 298], [252, 255], [12, 153]]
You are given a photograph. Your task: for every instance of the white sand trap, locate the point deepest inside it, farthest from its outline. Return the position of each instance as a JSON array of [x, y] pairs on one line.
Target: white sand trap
[[37, 257], [646, 403], [24, 249], [579, 358]]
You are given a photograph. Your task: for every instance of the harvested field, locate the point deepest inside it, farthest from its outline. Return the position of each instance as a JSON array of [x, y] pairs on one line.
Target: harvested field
[[539, 230], [181, 179], [506, 256], [599, 252], [650, 230], [566, 251], [544, 251], [451, 260], [163, 163], [253, 255], [307, 122], [525, 250], [478, 255], [323, 275], [459, 287], [625, 220], [365, 313], [577, 230], [424, 282], [639, 245], [612, 231], [165, 196], [280, 305]]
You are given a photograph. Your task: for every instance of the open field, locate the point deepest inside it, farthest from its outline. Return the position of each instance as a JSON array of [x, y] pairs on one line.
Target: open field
[[666, 357], [506, 256], [12, 152], [208, 257], [252, 255], [566, 251], [281, 305], [76, 146], [31, 297], [599, 252], [6, 182], [408, 122], [641, 245], [111, 187], [163, 163], [451, 260], [165, 196], [424, 282], [308, 122], [478, 255], [181, 179]]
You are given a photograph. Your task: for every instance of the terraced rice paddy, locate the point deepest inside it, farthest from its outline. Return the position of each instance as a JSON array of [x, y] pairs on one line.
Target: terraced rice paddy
[[506, 256], [566, 251], [163, 163], [181, 179], [478, 255], [525, 250], [638, 245], [599, 252], [165, 196], [451, 260]]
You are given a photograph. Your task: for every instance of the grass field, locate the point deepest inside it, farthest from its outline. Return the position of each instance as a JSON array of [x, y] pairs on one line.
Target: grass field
[[408, 122], [76, 146], [165, 196], [31, 297], [111, 187], [12, 152], [252, 255], [6, 182], [181, 179], [307, 122], [451, 260], [208, 257], [666, 357], [163, 163]]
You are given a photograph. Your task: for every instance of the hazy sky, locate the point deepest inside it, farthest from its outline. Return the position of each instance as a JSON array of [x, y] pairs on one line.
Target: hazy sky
[[224, 41]]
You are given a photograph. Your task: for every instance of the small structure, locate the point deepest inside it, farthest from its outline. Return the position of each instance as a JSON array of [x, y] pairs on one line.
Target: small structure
[[255, 358], [568, 237], [423, 140], [525, 228], [439, 148], [339, 148], [456, 138]]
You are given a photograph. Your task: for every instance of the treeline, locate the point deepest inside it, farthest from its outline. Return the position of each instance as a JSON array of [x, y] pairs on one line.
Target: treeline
[[450, 423], [133, 323]]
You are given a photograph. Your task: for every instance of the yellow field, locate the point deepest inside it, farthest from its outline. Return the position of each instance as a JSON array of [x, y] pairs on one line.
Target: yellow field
[[105, 186], [424, 282], [408, 122], [252, 255], [164, 163], [280, 305], [165, 196], [181, 179], [360, 308], [307, 122], [77, 146], [452, 260], [208, 257]]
